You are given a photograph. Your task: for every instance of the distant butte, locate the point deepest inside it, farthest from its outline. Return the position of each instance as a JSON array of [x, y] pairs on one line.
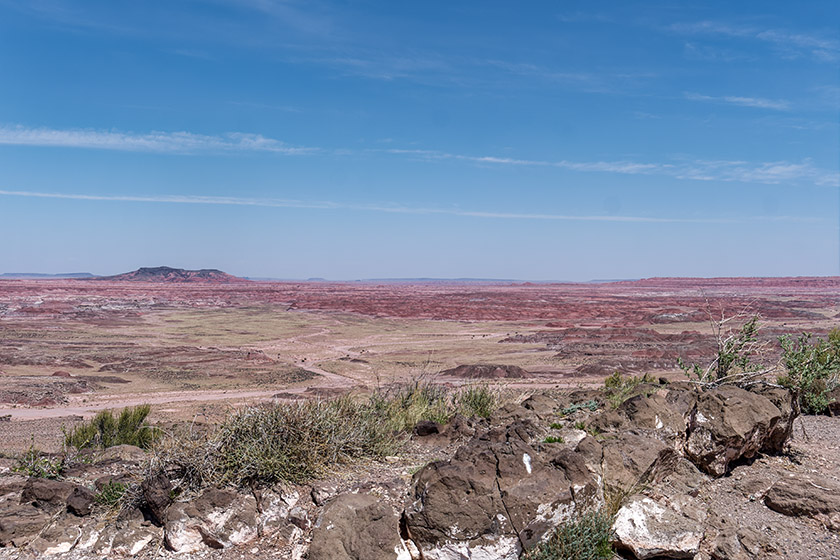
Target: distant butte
[[169, 275]]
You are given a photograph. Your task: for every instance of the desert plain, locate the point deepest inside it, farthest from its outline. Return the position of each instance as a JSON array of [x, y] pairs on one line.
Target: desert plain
[[69, 348]]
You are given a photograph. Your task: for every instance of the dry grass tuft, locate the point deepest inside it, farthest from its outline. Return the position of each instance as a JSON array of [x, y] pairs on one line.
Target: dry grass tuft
[[299, 441]]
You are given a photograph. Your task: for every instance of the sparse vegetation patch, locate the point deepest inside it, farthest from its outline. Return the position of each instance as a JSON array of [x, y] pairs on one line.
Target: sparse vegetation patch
[[404, 406], [477, 400], [591, 405], [618, 388], [111, 494], [586, 537], [36, 464], [298, 441]]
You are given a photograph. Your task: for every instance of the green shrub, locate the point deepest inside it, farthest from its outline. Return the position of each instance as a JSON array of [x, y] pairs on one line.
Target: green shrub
[[34, 463], [106, 430], [556, 426], [586, 537], [554, 439], [111, 494], [618, 388], [812, 369]]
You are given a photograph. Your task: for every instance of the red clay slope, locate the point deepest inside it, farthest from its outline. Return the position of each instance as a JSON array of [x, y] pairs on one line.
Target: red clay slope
[[175, 276]]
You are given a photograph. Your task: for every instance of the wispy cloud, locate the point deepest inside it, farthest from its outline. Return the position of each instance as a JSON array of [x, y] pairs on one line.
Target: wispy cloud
[[391, 209], [790, 43], [758, 102], [773, 173], [160, 142], [820, 47], [269, 106], [696, 51], [776, 172], [530, 69], [626, 167], [188, 143]]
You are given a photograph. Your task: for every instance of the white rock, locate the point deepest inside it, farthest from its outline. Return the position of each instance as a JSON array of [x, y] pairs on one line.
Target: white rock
[[649, 528]]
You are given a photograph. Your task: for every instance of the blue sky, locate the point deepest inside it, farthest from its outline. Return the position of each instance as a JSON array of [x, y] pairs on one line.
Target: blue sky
[[537, 140]]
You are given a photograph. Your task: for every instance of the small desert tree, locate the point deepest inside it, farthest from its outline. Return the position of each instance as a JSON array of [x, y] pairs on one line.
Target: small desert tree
[[738, 353]]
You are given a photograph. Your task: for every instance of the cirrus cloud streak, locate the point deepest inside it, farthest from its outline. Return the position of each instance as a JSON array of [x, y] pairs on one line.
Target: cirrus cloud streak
[[387, 208], [158, 142]]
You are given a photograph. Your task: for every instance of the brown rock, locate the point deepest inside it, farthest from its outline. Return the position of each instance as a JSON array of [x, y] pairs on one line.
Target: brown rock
[[321, 493], [512, 412], [728, 547], [728, 424], [657, 528], [80, 502], [540, 403], [338, 533], [460, 427], [425, 428], [808, 495], [673, 474], [486, 371], [58, 537], [834, 401], [660, 412], [19, 524], [627, 458], [50, 495], [132, 539], [494, 497], [780, 431], [653, 413], [157, 495]]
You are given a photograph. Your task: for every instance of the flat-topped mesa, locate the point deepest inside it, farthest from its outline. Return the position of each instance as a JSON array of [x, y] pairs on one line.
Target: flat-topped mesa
[[168, 274]]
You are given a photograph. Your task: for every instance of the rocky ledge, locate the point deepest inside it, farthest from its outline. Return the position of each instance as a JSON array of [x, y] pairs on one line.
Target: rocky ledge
[[687, 472]]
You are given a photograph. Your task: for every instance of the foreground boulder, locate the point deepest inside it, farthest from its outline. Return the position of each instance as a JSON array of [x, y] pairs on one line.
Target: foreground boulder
[[358, 527], [833, 397], [501, 493], [157, 495], [20, 523], [627, 457], [496, 497], [644, 412], [221, 518], [729, 424], [660, 528], [811, 496], [46, 494], [80, 501], [780, 432]]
